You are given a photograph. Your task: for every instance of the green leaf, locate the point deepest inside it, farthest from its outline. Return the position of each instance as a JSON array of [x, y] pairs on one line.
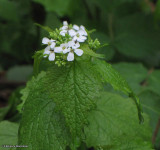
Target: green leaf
[[134, 73], [136, 37], [90, 52], [72, 90], [107, 51], [78, 85], [14, 100], [113, 77], [38, 57], [26, 90], [151, 104], [3, 112], [157, 11], [46, 28], [154, 81], [8, 134], [9, 112], [114, 125], [61, 7], [8, 10], [42, 127]]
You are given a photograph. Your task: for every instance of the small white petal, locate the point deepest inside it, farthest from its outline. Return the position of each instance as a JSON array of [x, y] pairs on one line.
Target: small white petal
[[65, 23], [83, 37], [75, 38], [64, 45], [51, 56], [72, 32], [66, 50], [75, 27], [64, 28], [71, 43], [47, 48], [80, 40], [70, 56], [45, 40], [53, 45], [76, 45], [82, 27], [58, 49], [46, 52], [79, 52], [85, 33], [63, 32], [81, 32]]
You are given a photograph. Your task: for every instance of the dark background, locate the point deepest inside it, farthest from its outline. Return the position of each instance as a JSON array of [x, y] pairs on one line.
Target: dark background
[[130, 27]]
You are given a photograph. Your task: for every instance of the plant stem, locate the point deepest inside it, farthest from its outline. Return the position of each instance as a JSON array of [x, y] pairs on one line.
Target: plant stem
[[156, 132]]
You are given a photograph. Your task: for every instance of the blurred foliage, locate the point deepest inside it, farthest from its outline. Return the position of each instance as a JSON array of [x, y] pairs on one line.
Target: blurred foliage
[[130, 27]]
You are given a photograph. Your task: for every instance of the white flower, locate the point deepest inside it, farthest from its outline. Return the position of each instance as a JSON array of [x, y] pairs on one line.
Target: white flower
[[63, 32], [65, 48], [77, 28], [70, 56], [66, 29], [51, 54], [80, 36], [73, 48], [72, 32], [61, 48], [51, 43], [65, 23], [73, 44]]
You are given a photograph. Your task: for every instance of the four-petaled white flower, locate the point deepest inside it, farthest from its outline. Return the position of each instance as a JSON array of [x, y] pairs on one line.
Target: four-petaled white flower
[[50, 49], [77, 28], [73, 48], [66, 29], [80, 36], [51, 43]]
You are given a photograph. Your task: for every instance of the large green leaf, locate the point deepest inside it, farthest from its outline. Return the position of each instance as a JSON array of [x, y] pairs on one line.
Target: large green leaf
[[134, 73], [114, 125], [26, 90], [8, 134], [71, 90], [42, 127], [136, 37], [113, 77], [151, 106], [74, 91]]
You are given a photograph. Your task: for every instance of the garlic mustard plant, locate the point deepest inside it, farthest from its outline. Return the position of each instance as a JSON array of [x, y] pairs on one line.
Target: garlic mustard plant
[[65, 104]]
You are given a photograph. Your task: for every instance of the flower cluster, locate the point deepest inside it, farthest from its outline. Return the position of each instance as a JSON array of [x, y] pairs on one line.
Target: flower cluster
[[76, 34]]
